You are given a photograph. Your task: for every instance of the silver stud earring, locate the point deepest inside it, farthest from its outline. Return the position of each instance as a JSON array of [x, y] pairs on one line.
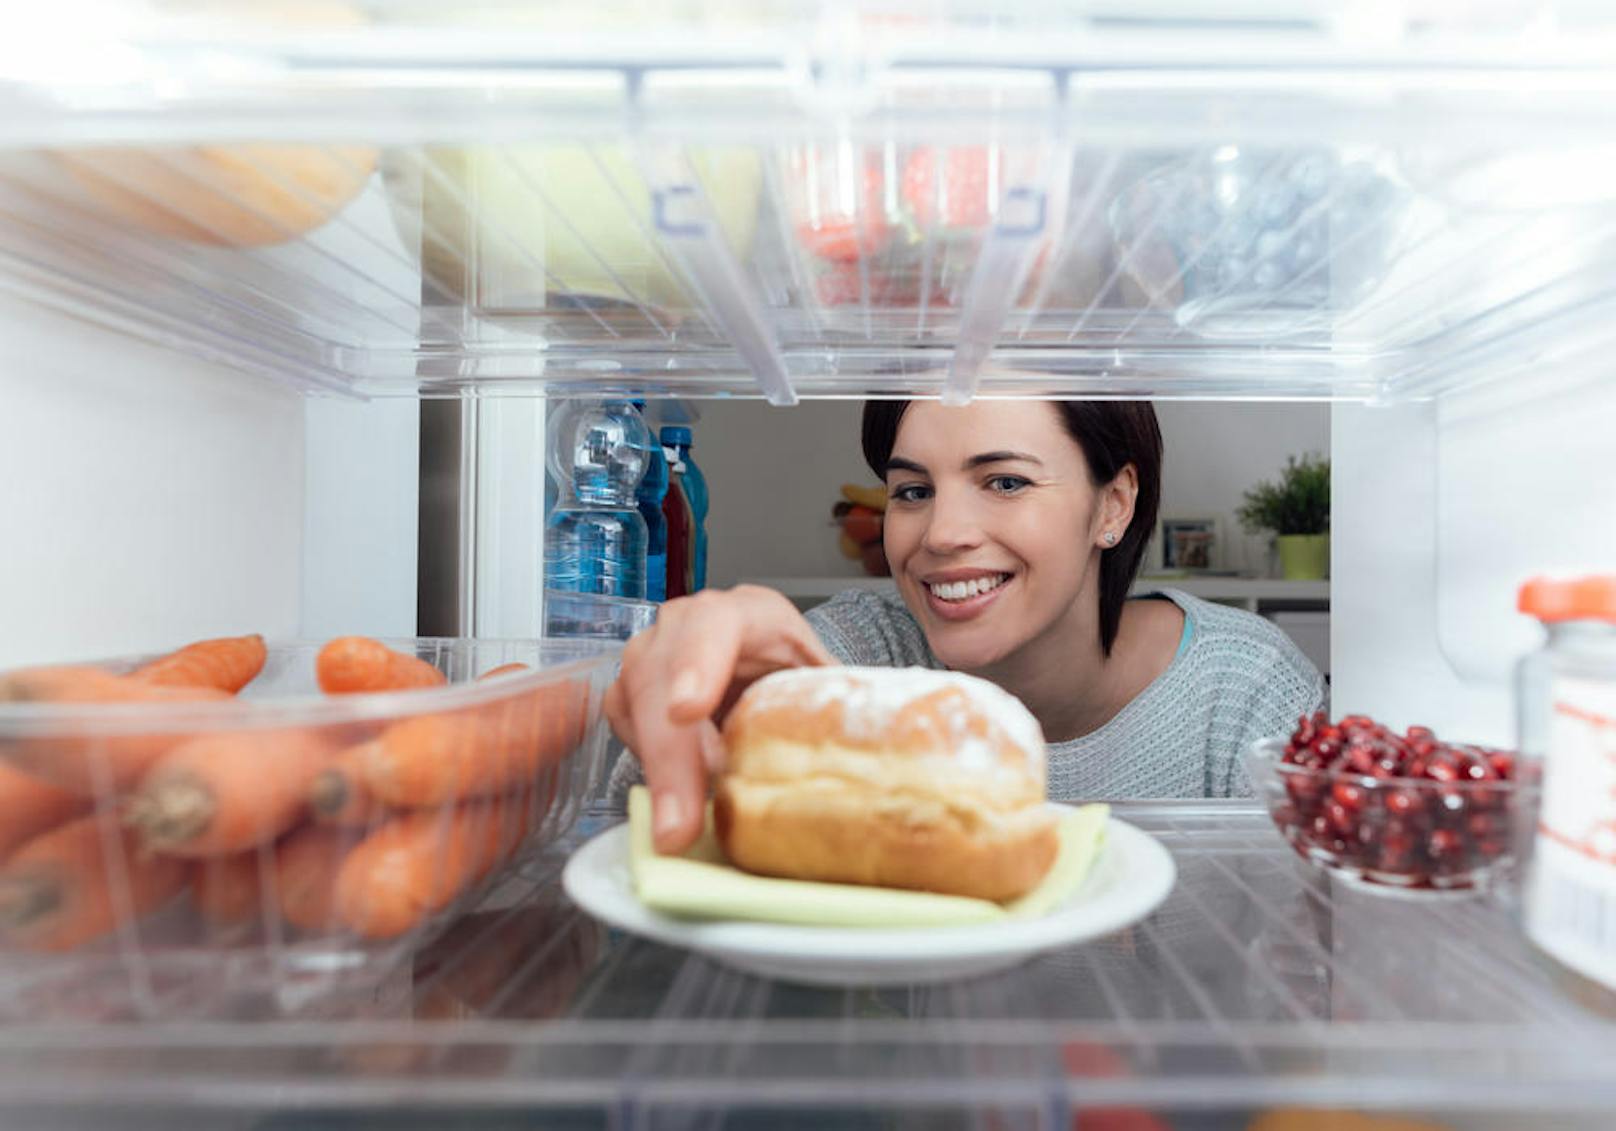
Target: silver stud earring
[[1110, 537]]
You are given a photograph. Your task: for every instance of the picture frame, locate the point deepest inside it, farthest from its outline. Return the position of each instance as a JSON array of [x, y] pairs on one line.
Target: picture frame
[[1189, 544]]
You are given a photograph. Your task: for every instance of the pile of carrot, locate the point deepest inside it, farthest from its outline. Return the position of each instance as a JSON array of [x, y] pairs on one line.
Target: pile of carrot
[[306, 825]]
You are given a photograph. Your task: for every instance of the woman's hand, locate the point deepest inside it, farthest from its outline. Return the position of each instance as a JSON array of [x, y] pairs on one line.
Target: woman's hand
[[688, 668]]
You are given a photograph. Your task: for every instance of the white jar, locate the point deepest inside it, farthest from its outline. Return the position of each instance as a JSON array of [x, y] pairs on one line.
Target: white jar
[[1567, 827]]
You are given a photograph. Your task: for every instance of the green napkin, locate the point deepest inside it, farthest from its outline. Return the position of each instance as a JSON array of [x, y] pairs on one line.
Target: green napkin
[[701, 885]]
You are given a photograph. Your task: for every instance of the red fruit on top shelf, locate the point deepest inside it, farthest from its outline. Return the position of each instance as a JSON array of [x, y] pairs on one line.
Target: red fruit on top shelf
[[842, 285], [841, 214], [953, 187]]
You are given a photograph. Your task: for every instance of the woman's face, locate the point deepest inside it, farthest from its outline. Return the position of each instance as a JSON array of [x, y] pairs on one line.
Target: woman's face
[[993, 528]]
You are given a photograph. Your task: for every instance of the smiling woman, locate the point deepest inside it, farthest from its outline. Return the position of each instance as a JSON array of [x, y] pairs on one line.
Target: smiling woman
[[1014, 531]]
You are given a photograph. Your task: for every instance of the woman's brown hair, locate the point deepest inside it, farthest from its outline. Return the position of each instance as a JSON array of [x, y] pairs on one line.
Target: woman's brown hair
[[1111, 434]]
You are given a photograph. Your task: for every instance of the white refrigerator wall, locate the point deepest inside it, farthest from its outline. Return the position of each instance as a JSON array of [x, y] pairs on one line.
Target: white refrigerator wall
[[1441, 510], [150, 498], [361, 515]]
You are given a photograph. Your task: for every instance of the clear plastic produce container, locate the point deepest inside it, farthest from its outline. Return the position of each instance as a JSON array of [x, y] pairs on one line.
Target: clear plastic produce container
[[278, 852]]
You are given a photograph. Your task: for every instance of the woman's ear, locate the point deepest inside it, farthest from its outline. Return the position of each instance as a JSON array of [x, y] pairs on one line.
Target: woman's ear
[[1115, 511]]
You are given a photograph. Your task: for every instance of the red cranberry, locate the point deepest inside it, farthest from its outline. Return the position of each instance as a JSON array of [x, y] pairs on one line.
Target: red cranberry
[[1326, 749], [1473, 765], [1484, 826], [1417, 732], [1349, 795], [1443, 768], [1452, 804], [1305, 730], [1503, 763], [1491, 849], [1319, 830], [1304, 790], [1360, 757], [1396, 852], [1404, 802], [1343, 821], [1445, 844]]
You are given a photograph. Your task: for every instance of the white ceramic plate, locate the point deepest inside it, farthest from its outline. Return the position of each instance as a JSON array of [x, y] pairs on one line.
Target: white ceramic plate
[[1132, 876]]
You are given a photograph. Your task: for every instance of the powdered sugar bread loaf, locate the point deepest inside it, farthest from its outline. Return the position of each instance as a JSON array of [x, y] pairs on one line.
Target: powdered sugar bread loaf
[[896, 777]]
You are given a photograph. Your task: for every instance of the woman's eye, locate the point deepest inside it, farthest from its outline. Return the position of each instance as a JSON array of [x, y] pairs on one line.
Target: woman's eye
[[1008, 484], [910, 493]]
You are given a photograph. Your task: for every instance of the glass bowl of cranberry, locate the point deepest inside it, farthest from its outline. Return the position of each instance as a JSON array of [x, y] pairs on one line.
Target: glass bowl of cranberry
[[1401, 814]]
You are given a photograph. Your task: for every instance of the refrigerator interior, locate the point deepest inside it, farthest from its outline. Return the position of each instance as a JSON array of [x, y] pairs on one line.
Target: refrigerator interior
[[249, 262]]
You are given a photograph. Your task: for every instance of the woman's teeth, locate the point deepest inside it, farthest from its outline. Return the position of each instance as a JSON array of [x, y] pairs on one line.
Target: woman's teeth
[[961, 590]]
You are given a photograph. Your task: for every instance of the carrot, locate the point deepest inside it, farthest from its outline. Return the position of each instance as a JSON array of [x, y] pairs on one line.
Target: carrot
[[227, 792], [84, 761], [340, 795], [417, 863], [61, 890], [307, 864], [228, 890], [229, 664], [431, 759], [351, 664], [505, 669], [29, 806], [81, 684]]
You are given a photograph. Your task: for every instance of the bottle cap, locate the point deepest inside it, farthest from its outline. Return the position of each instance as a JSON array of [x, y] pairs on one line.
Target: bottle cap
[[1569, 598], [676, 434]]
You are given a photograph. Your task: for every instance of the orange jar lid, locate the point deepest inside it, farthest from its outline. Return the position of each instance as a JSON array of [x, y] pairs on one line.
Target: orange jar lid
[[1572, 598]]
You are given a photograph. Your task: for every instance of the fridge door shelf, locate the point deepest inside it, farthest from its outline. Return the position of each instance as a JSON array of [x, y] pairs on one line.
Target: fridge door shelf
[[796, 203], [1257, 985]]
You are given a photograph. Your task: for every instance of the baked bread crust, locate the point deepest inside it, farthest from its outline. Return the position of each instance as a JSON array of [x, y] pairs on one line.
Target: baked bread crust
[[907, 778]]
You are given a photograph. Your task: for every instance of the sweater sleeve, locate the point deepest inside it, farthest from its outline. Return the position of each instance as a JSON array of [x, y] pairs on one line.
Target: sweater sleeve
[[1286, 686]]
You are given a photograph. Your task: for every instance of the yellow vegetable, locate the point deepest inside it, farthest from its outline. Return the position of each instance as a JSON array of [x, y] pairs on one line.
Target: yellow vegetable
[[873, 497]]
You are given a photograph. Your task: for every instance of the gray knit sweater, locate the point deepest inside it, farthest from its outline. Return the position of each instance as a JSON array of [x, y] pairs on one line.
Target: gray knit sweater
[[1239, 679]]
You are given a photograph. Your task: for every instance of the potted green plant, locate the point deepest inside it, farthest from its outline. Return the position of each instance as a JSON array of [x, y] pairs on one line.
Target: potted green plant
[[1297, 510]]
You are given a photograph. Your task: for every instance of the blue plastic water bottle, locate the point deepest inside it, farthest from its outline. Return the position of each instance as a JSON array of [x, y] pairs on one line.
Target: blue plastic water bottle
[[695, 486], [596, 540], [653, 489]]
